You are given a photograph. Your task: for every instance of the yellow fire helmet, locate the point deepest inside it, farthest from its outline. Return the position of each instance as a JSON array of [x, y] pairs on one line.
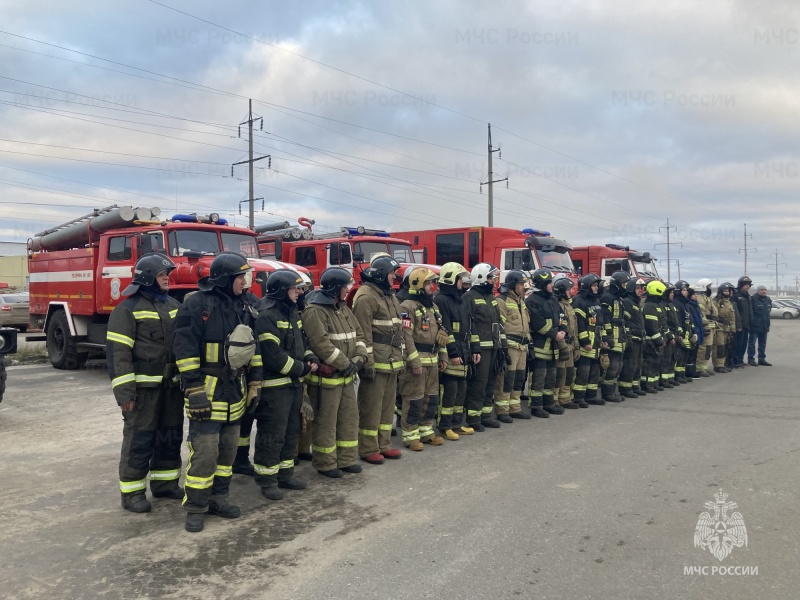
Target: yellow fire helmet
[[656, 288], [419, 276], [450, 272]]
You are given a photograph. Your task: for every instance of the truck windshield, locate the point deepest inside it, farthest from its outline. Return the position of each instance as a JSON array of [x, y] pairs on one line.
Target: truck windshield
[[365, 251], [207, 242], [555, 261], [646, 269]]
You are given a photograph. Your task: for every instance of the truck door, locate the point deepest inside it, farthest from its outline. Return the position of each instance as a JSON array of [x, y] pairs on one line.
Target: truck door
[[340, 254], [520, 259], [115, 266]]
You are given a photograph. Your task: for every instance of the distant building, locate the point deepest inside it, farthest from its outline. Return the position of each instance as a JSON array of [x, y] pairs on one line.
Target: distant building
[[14, 264]]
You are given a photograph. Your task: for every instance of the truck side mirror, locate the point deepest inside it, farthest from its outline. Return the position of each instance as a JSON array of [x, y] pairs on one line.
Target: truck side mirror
[[278, 249]]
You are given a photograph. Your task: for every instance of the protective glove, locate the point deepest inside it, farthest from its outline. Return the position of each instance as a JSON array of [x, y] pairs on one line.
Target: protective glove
[[507, 357], [605, 361], [325, 370], [576, 354], [441, 338], [198, 404], [368, 373], [694, 338], [306, 410], [253, 392], [351, 369]]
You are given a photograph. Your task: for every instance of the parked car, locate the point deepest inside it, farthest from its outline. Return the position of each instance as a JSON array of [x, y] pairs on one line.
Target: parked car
[[14, 310], [792, 303], [783, 311]]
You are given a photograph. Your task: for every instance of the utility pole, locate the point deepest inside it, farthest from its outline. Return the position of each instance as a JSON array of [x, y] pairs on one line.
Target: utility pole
[[251, 160], [678, 264], [776, 254], [491, 181], [668, 244], [796, 286], [746, 235]]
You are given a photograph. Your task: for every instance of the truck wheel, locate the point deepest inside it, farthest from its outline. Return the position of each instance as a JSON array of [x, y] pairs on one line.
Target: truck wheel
[[62, 347], [787, 315], [2, 376]]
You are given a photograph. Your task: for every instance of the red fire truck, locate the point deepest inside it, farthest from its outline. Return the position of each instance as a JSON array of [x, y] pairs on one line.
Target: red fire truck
[[606, 260], [525, 250], [79, 269], [351, 248]]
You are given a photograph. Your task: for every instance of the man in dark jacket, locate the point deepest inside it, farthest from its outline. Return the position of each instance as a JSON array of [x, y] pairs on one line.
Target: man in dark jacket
[[216, 390], [286, 359], [143, 378], [547, 331], [614, 332], [760, 305], [741, 299]]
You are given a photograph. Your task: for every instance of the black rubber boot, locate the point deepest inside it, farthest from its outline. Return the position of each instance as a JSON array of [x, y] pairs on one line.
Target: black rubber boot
[[519, 415], [490, 422], [136, 503], [332, 473], [629, 393], [352, 469], [571, 405], [505, 418], [293, 483], [538, 411], [272, 492], [194, 522], [172, 494], [219, 506]]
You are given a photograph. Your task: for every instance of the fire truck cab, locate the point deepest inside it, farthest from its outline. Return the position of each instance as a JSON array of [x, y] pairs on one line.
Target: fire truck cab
[[78, 270], [351, 248], [607, 260], [525, 250]]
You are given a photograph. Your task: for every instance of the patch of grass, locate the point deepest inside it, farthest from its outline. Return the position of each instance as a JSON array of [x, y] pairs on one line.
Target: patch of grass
[[28, 356]]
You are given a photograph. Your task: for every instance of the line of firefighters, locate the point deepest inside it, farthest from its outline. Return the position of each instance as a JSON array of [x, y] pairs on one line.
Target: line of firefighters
[[313, 374]]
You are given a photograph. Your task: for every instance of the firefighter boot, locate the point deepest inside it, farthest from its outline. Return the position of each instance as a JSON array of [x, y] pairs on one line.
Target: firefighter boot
[[591, 398], [172, 494], [242, 464], [292, 483], [620, 397], [451, 435], [550, 406], [416, 446], [217, 505], [504, 418], [194, 522], [434, 440], [519, 415], [272, 492], [464, 430], [607, 392], [136, 503]]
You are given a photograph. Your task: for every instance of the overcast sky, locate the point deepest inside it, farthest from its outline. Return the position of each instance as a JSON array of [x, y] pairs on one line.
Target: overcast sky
[[612, 117]]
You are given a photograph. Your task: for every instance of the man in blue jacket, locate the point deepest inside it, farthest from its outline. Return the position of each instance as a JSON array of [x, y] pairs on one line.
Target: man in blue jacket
[[761, 305]]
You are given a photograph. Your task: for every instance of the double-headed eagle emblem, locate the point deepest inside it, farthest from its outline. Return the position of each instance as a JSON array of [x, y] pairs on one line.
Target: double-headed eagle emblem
[[720, 533]]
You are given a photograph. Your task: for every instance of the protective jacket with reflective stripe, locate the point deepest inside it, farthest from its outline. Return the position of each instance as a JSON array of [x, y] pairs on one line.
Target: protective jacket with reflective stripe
[[708, 310], [634, 319], [651, 311], [204, 322], [281, 343], [725, 313], [139, 344], [571, 322], [684, 317], [335, 337], [515, 318], [589, 317], [670, 315], [455, 320], [420, 334], [545, 324], [486, 325], [613, 320], [378, 314]]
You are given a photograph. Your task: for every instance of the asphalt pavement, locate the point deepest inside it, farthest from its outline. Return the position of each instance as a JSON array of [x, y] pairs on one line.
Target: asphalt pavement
[[598, 503]]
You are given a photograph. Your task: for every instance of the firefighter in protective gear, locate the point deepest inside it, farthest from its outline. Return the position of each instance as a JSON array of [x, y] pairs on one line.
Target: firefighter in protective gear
[[726, 327], [516, 325], [708, 310], [672, 331], [547, 331], [335, 337], [143, 378], [456, 355], [306, 411], [215, 393], [614, 331], [741, 300], [631, 374], [654, 336], [683, 343], [286, 360], [589, 317], [378, 312], [486, 341], [569, 349], [419, 383]]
